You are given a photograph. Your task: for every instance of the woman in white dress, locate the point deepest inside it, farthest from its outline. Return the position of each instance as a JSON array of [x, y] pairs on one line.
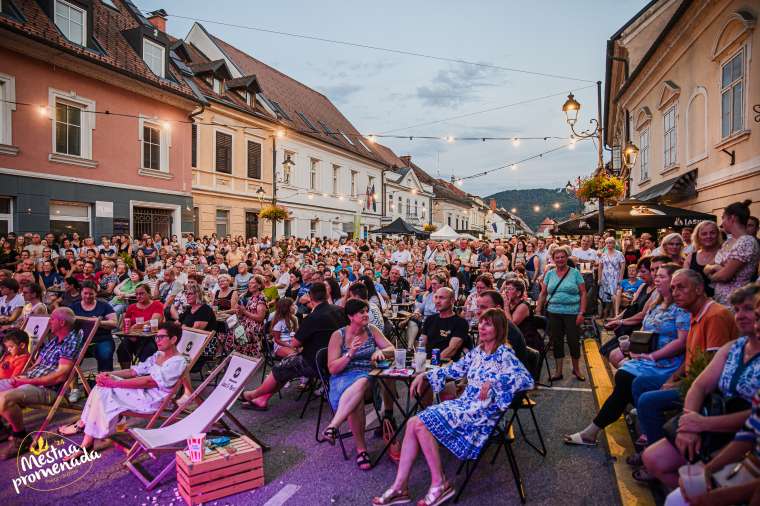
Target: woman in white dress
[[141, 389]]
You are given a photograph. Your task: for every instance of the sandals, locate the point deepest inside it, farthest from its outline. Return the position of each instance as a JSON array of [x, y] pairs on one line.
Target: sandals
[[330, 435], [642, 475], [577, 440], [392, 496], [70, 430], [363, 462], [579, 376], [437, 495]]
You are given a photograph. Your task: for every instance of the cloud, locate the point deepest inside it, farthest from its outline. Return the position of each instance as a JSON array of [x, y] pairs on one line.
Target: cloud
[[458, 85], [347, 69], [340, 93]]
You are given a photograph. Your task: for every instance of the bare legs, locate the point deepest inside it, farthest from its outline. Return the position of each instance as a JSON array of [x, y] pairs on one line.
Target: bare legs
[[352, 398], [662, 459], [418, 437], [11, 412]]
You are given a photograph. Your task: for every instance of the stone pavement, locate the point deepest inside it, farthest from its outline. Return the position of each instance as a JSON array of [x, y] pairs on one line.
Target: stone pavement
[[299, 471]]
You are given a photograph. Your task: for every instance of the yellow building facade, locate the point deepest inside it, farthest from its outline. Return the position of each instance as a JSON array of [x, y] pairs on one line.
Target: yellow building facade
[[683, 84]]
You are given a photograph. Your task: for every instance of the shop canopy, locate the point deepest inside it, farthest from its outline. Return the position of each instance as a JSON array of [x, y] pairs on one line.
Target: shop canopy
[[446, 233], [634, 214], [399, 227]]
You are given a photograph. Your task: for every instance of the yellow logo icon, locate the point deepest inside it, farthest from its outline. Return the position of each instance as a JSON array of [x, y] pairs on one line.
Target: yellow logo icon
[[42, 447]]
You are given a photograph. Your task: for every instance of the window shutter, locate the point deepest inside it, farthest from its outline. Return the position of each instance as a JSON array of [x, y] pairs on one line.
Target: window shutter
[[254, 160], [223, 153], [194, 144]]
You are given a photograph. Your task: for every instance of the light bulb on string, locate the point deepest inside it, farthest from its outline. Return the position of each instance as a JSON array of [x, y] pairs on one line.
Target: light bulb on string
[[514, 166], [166, 125], [44, 111], [513, 210], [280, 133], [536, 209], [372, 138], [515, 141], [449, 139]]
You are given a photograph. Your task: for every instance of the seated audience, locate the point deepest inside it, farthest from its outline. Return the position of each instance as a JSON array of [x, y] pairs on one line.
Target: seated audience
[[707, 240], [462, 425], [11, 303], [627, 289], [90, 307], [445, 330], [135, 349], [283, 325], [352, 354]]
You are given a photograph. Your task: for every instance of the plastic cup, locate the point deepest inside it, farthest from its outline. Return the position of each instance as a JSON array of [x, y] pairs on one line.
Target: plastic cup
[[154, 324], [420, 357], [139, 319], [625, 343], [195, 447], [693, 479], [400, 358]]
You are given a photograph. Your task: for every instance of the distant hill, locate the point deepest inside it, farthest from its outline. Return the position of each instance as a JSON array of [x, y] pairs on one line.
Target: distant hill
[[525, 200]]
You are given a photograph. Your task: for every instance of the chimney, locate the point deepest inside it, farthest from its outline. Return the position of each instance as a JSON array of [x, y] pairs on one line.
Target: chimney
[[158, 19], [492, 204], [407, 159]]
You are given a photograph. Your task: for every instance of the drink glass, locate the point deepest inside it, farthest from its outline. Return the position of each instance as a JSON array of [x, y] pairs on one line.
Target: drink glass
[[625, 343], [400, 358], [693, 478], [420, 357], [154, 324], [140, 320]]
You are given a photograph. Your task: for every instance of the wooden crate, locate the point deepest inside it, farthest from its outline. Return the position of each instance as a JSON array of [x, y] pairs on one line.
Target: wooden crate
[[230, 470]]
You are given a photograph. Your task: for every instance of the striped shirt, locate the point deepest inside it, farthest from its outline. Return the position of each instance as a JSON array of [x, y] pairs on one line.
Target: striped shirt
[[52, 352], [751, 429]]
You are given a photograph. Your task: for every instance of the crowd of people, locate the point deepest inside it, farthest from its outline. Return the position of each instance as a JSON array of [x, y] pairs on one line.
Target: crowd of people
[[687, 299]]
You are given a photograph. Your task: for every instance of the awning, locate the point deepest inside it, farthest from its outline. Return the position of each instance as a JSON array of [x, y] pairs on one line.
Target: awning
[[671, 190], [634, 214], [399, 227]]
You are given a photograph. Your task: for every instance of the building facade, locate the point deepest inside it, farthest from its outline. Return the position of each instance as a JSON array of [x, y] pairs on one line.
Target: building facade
[[683, 86], [94, 129], [327, 176]]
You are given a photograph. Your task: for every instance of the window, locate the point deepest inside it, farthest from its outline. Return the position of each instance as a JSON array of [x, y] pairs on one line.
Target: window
[[217, 86], [223, 151], [6, 215], [353, 183], [151, 147], [408, 208], [194, 145], [254, 160], [415, 208], [7, 106], [153, 55], [346, 137], [449, 220], [71, 21], [68, 129], [313, 165], [336, 179], [313, 227], [457, 227], [69, 217], [644, 154], [390, 202], [287, 228], [669, 143], [400, 209], [222, 222], [732, 96]]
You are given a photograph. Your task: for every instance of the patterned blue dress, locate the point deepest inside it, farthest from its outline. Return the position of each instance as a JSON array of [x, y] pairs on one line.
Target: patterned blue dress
[[666, 322], [359, 367], [463, 425], [740, 378]]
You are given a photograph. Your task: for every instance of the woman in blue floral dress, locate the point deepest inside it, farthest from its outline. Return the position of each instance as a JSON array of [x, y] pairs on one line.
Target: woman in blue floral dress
[[462, 425]]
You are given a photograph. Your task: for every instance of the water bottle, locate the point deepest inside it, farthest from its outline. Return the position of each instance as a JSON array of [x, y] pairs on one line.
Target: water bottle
[[420, 355]]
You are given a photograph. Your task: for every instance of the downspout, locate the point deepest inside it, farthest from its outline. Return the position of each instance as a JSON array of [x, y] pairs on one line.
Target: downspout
[[274, 185], [191, 117]]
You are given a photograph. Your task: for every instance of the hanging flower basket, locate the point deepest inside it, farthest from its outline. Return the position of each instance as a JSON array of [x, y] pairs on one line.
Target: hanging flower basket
[[601, 186], [273, 213], [429, 227]]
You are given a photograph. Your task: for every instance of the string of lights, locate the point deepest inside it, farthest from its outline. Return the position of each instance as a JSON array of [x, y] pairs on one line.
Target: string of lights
[[383, 49], [44, 110]]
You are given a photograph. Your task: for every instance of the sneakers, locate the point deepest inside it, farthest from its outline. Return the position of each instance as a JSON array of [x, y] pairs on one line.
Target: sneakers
[[74, 395], [16, 446]]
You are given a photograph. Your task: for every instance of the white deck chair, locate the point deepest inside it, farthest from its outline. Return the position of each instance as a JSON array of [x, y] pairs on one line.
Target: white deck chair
[[171, 436], [191, 344], [36, 328]]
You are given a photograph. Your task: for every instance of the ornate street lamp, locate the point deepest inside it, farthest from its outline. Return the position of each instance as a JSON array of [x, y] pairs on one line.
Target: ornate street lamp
[[260, 194], [630, 153]]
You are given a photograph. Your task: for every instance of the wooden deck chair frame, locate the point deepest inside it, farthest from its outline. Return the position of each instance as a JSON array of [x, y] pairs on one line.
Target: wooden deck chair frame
[[75, 372], [149, 480], [184, 380]]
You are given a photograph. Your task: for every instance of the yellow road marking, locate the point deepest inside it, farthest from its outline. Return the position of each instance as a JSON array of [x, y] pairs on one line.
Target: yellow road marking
[[619, 440]]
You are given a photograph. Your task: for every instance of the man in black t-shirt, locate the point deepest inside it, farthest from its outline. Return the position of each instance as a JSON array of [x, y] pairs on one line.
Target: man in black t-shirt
[[396, 285], [445, 330], [312, 335]]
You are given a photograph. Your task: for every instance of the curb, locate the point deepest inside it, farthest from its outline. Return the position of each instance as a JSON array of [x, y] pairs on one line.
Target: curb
[[617, 436]]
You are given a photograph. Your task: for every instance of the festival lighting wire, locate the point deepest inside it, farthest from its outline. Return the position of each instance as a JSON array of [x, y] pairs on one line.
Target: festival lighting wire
[[383, 49]]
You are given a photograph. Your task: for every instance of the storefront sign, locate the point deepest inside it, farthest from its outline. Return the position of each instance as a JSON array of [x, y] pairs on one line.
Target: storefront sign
[[103, 209], [121, 226]]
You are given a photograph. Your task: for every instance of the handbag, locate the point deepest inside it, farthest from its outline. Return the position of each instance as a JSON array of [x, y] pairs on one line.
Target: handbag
[[394, 450], [733, 475], [642, 341]]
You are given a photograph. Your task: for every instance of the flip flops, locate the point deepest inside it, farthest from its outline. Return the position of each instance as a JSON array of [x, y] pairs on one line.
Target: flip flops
[[577, 440]]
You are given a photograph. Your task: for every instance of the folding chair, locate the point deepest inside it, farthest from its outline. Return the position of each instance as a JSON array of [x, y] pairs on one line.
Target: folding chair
[[171, 436], [542, 324], [191, 343], [87, 327], [523, 402], [499, 437], [36, 328]]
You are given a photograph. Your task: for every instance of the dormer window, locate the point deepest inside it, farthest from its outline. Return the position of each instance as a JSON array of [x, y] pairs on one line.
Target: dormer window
[[153, 54], [217, 86], [249, 98], [71, 21]]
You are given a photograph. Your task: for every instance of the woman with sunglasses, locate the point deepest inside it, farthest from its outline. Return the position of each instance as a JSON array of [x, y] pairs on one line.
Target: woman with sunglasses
[[141, 388]]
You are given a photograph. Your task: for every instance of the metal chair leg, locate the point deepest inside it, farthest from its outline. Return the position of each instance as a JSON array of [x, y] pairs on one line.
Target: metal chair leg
[[515, 471]]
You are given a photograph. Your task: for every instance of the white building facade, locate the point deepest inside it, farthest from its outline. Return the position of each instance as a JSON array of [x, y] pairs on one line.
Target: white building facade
[[407, 197]]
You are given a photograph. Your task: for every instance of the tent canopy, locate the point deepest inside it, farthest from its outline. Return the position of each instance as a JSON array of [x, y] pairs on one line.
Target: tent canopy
[[399, 227], [635, 214], [446, 233]]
